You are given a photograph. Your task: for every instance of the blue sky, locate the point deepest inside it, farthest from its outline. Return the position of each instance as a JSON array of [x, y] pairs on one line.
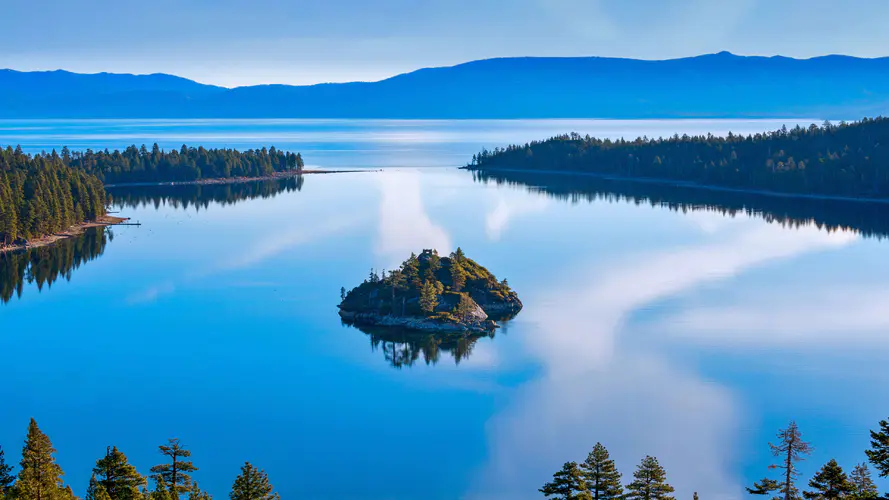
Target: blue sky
[[240, 42]]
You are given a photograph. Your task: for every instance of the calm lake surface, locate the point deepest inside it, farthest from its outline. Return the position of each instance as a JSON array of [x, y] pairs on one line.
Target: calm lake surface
[[691, 336]]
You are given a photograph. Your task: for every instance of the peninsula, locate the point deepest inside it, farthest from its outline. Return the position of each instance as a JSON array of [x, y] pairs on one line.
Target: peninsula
[[432, 293]]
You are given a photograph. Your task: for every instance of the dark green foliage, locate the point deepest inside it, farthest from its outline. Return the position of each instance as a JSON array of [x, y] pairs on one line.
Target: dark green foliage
[[425, 286], [117, 476], [41, 195], [196, 493], [252, 484], [6, 476], [201, 195], [40, 477], [836, 160], [175, 473], [602, 477], [567, 484], [764, 487], [186, 164], [878, 454], [830, 483], [649, 482], [161, 490]]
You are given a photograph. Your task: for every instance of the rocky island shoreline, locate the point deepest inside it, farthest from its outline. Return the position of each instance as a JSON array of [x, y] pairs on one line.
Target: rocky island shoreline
[[431, 293]]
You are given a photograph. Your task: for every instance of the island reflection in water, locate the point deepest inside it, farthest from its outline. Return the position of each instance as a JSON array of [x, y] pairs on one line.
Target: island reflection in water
[[201, 195], [402, 347], [46, 265], [868, 219]]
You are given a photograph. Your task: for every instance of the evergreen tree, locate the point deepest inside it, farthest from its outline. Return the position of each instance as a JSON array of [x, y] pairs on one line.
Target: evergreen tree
[[40, 477], [196, 493], [878, 454], [567, 484], [458, 276], [96, 491], [865, 489], [428, 297], [119, 478], [161, 490], [6, 476], [830, 483], [791, 449], [649, 482], [602, 477], [252, 484], [176, 473], [765, 487]]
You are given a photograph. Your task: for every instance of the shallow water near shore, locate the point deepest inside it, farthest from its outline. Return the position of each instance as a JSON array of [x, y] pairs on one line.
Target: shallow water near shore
[[690, 334]]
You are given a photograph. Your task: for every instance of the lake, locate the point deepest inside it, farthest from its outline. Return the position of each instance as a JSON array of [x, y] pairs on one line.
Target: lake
[[687, 333]]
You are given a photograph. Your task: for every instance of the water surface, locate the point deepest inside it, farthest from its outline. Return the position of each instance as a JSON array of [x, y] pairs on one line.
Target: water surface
[[688, 334]]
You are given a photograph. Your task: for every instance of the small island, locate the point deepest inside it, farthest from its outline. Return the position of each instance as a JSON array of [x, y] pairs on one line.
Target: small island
[[432, 293]]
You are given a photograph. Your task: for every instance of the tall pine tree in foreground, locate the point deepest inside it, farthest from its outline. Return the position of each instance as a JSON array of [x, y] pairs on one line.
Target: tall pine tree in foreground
[[602, 477], [252, 484], [865, 489], [176, 473], [567, 484], [649, 482], [791, 449], [119, 478], [6, 477], [830, 483], [878, 454], [40, 477]]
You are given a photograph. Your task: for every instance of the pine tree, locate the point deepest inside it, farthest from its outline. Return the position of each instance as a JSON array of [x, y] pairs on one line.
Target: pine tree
[[830, 483], [161, 490], [765, 487], [119, 478], [865, 489], [96, 491], [252, 484], [176, 473], [458, 276], [6, 476], [428, 297], [602, 477], [791, 449], [650, 482], [40, 477], [196, 493], [567, 484], [878, 454]]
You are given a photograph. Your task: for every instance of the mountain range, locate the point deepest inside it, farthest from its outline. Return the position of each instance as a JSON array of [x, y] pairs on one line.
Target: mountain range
[[710, 86]]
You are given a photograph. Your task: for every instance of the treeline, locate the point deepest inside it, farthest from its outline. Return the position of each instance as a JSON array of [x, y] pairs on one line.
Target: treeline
[[47, 264], [43, 194], [139, 164], [39, 476], [849, 159], [866, 219], [597, 477]]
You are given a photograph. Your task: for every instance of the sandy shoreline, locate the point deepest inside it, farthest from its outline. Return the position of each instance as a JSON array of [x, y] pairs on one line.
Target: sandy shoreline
[[105, 220], [235, 180]]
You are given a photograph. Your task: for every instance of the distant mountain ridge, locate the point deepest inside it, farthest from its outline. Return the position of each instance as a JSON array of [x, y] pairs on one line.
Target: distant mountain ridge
[[719, 85]]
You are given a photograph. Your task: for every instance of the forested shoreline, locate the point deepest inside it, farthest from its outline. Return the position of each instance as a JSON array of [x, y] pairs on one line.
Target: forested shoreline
[[844, 160], [39, 476], [48, 193]]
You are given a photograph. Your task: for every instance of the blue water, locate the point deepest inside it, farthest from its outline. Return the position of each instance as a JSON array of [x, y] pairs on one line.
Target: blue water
[[691, 337]]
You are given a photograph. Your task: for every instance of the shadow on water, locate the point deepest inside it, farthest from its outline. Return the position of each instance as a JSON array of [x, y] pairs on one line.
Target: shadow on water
[[866, 219], [200, 195], [46, 265], [402, 347]]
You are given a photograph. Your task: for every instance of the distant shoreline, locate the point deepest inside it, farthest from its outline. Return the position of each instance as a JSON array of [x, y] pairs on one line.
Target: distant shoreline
[[235, 180], [76, 230], [683, 184]]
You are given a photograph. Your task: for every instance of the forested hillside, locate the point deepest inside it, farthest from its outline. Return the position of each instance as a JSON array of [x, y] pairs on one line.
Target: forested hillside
[[845, 160], [43, 194]]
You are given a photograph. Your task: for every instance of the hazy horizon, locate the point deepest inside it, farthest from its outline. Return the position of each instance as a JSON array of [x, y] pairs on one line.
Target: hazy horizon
[[235, 43]]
